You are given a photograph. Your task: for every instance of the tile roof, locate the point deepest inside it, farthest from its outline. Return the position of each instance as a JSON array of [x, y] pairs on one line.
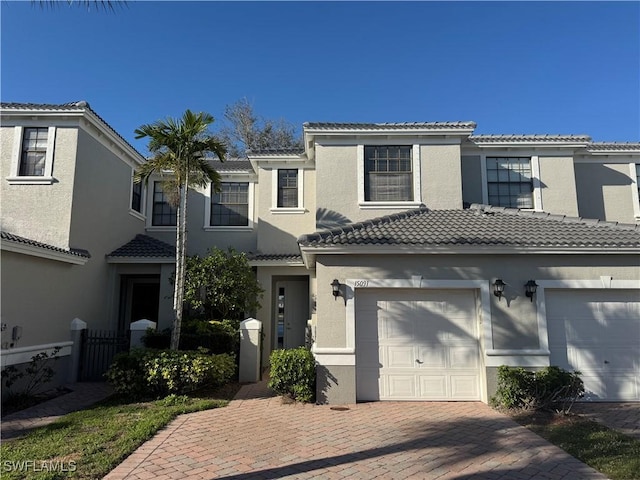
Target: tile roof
[[69, 106], [144, 246], [276, 151], [266, 257], [232, 165], [389, 126], [528, 138], [480, 225], [74, 252], [614, 146]]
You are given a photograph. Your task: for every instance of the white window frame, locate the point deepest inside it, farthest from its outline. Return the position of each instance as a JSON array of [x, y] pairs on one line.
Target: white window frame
[[535, 177], [415, 165], [150, 226], [274, 191], [229, 228], [634, 171], [143, 199], [15, 178]]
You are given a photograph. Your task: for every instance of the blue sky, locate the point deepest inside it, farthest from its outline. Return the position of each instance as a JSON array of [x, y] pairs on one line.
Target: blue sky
[[512, 67]]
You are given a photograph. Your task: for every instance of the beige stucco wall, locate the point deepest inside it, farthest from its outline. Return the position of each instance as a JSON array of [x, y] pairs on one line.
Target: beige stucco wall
[[513, 317], [39, 212], [441, 175], [278, 231], [604, 191], [558, 185]]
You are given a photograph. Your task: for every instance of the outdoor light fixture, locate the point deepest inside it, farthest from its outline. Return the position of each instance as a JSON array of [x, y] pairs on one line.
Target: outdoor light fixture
[[498, 288], [530, 289], [335, 287]]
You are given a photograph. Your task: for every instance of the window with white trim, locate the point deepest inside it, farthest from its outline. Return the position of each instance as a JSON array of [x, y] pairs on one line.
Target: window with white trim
[[388, 173], [287, 188], [164, 214], [638, 180], [510, 182], [136, 196], [32, 160], [230, 206]]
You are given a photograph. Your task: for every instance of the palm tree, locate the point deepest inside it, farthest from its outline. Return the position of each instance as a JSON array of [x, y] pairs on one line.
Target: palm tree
[[181, 147]]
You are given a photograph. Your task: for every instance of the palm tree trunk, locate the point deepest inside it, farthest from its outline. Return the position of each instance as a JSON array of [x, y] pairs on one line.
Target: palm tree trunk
[[181, 257]]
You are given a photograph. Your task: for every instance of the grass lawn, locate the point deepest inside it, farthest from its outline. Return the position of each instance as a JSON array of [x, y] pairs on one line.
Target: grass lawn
[[610, 452], [99, 438]]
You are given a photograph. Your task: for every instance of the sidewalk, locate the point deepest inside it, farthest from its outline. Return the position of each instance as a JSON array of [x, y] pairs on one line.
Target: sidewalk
[[83, 395]]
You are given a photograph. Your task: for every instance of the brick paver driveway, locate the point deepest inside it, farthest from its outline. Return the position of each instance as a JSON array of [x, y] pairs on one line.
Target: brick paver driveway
[[260, 438]]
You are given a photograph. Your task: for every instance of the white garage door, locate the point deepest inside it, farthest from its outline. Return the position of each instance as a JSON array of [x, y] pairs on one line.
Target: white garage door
[[598, 333], [417, 345]]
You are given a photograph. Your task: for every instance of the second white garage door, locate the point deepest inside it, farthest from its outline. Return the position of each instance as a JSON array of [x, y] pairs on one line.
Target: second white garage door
[[417, 345]]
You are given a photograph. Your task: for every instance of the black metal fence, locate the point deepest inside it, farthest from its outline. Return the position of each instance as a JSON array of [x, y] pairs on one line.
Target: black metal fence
[[99, 347]]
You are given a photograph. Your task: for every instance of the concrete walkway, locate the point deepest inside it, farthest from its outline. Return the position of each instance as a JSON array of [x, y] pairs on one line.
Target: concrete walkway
[[83, 394], [259, 437]]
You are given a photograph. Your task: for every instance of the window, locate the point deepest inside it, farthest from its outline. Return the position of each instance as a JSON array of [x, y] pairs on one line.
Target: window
[[230, 207], [34, 152], [288, 188], [164, 214], [509, 182], [136, 197], [32, 159], [388, 174], [638, 180]]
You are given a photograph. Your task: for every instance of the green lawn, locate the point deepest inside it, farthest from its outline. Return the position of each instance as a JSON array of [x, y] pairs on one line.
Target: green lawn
[[93, 441], [610, 452]]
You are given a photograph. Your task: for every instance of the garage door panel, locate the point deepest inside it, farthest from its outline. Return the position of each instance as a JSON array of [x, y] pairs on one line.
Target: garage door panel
[[401, 386], [433, 387], [424, 338], [400, 357], [598, 333]]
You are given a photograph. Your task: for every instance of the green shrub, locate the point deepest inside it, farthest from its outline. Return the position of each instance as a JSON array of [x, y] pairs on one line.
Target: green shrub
[[549, 388], [158, 373], [217, 336], [293, 373]]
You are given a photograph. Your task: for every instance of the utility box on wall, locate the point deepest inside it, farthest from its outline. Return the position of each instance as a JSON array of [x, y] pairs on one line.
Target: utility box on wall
[[250, 338]]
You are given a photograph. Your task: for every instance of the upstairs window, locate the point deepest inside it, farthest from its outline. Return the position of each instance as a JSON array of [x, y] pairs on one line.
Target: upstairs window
[[164, 214], [230, 207], [34, 152], [136, 197], [388, 174], [287, 188], [638, 180], [510, 182]]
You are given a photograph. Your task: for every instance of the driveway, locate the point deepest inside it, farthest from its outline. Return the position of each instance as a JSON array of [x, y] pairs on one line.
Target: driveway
[[258, 437]]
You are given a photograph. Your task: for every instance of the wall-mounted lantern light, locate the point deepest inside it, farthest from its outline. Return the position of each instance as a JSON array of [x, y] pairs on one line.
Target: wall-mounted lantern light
[[530, 289], [498, 288], [335, 288]]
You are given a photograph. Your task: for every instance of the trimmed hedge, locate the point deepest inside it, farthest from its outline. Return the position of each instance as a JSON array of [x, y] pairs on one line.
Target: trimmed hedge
[[549, 388], [158, 373], [293, 373]]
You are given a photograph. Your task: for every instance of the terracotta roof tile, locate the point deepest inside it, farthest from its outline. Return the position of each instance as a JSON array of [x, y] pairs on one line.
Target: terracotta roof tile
[[480, 225], [144, 246]]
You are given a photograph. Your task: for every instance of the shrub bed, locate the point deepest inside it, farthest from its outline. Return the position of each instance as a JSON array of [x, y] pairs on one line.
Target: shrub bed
[[158, 373], [293, 374], [549, 388]]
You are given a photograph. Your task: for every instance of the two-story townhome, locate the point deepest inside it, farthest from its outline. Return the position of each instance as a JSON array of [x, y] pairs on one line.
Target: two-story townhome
[[415, 258]]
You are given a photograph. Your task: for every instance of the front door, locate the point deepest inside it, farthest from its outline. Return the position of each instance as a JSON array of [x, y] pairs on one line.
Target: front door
[[291, 312]]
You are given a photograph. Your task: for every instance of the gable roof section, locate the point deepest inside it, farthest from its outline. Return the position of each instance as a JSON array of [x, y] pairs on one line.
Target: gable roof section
[[479, 229], [143, 249], [17, 244], [81, 106]]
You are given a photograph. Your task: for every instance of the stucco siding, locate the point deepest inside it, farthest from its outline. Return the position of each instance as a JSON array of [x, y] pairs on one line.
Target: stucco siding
[[49, 205], [441, 171], [604, 190], [558, 185]]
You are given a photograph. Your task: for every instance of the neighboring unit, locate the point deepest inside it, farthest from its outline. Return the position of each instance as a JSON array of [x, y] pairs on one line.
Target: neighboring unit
[[399, 251]]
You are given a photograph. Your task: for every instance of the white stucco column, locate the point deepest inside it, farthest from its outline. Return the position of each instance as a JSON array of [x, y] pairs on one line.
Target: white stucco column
[[77, 328], [138, 330], [250, 332]]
